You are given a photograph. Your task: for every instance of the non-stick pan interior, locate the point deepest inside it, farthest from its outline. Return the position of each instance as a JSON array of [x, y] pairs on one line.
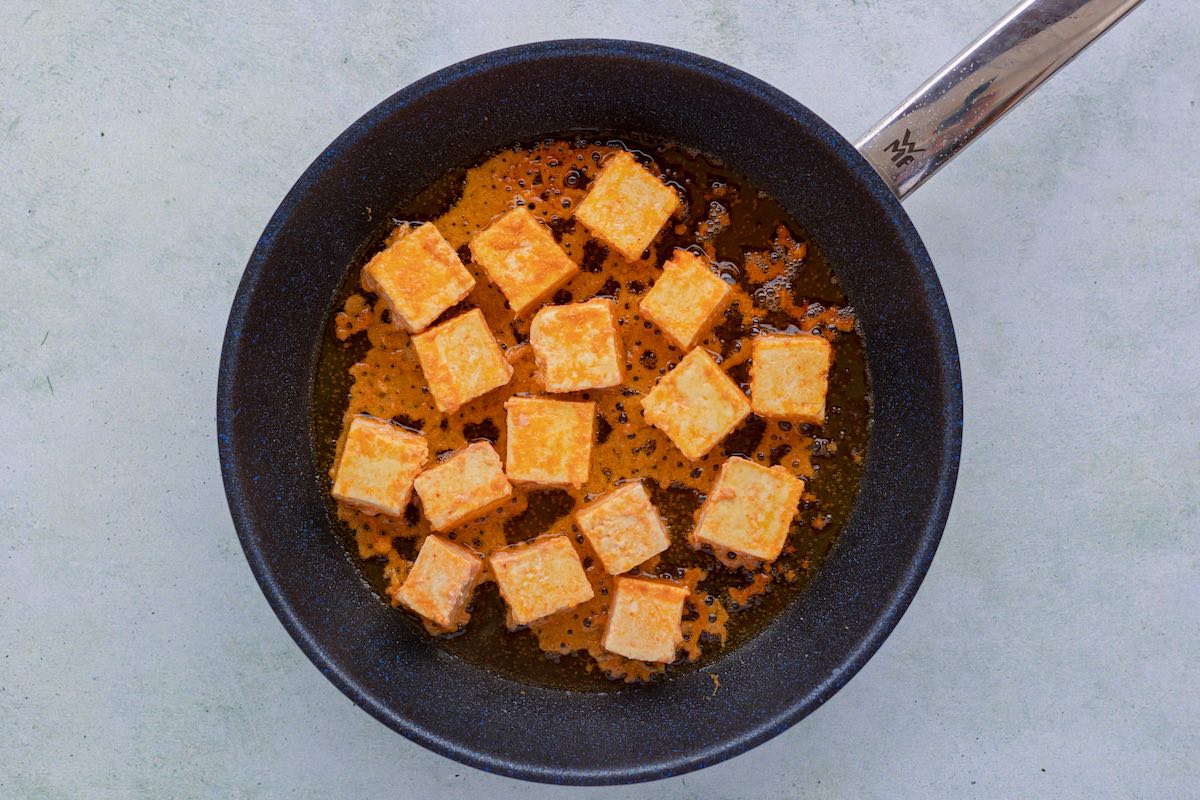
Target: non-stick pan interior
[[375, 655]]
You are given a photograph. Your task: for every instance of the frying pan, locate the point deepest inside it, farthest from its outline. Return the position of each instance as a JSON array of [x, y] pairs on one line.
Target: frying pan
[[847, 197]]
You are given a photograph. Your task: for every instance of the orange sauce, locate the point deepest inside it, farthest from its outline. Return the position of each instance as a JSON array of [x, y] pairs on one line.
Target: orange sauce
[[385, 380]]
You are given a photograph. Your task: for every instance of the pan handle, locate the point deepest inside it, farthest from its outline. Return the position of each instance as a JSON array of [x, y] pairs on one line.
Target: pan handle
[[981, 84]]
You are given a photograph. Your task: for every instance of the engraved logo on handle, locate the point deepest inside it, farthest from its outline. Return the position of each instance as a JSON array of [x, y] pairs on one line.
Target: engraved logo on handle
[[902, 149]]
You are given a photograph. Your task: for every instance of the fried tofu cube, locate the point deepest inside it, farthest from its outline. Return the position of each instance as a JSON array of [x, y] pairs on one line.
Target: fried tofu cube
[[696, 404], [521, 257], [749, 509], [540, 578], [465, 486], [577, 346], [461, 360], [626, 206], [645, 621], [624, 528], [549, 441], [419, 276], [440, 582], [377, 465], [789, 376], [686, 299]]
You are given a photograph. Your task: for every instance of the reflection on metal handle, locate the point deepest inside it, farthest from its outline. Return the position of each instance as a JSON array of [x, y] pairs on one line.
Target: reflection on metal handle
[[981, 84]]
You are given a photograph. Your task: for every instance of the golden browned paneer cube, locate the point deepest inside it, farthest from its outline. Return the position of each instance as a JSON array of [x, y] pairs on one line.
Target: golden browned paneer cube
[[440, 581], [522, 258], [378, 463], [549, 441], [645, 620], [540, 578], [696, 404], [461, 360], [749, 509], [577, 346], [419, 277], [626, 206], [686, 299], [465, 486], [624, 528], [789, 376]]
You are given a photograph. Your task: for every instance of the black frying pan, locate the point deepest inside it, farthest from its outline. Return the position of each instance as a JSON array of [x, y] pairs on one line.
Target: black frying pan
[[386, 664]]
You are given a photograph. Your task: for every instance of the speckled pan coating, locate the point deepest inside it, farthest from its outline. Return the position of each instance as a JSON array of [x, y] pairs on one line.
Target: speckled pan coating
[[383, 661]]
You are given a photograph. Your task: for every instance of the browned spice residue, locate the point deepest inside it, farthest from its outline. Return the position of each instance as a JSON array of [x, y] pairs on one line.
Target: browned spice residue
[[780, 284]]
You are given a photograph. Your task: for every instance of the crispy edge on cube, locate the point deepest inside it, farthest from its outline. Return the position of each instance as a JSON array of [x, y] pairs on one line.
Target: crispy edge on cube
[[696, 404], [789, 376], [540, 578], [465, 486], [549, 441], [578, 346], [645, 622], [440, 582], [419, 276], [623, 527], [627, 205], [749, 509], [686, 299], [521, 257], [461, 360], [377, 464]]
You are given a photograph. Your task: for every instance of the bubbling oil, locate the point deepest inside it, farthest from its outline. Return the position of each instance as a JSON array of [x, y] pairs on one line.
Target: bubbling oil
[[781, 283]]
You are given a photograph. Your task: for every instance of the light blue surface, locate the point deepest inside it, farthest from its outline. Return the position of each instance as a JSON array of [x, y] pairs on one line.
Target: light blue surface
[[1053, 649]]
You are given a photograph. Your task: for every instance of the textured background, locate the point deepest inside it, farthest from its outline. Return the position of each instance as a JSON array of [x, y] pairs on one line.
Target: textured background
[[1052, 650]]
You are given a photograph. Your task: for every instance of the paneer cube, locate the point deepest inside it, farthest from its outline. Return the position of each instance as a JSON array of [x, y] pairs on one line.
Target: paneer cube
[[645, 621], [440, 582], [461, 360], [549, 441], [419, 276], [686, 299], [626, 206], [522, 259], [465, 486], [789, 376], [749, 509], [577, 346], [540, 578], [696, 404], [624, 528], [377, 465]]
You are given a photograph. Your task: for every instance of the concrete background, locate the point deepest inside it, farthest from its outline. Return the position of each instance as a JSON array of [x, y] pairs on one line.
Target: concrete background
[[1052, 650]]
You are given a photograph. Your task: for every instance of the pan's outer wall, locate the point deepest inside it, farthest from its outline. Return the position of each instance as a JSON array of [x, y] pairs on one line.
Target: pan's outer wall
[[380, 660]]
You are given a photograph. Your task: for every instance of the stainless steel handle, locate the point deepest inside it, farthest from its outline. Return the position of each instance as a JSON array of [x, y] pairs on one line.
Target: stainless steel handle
[[982, 83]]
